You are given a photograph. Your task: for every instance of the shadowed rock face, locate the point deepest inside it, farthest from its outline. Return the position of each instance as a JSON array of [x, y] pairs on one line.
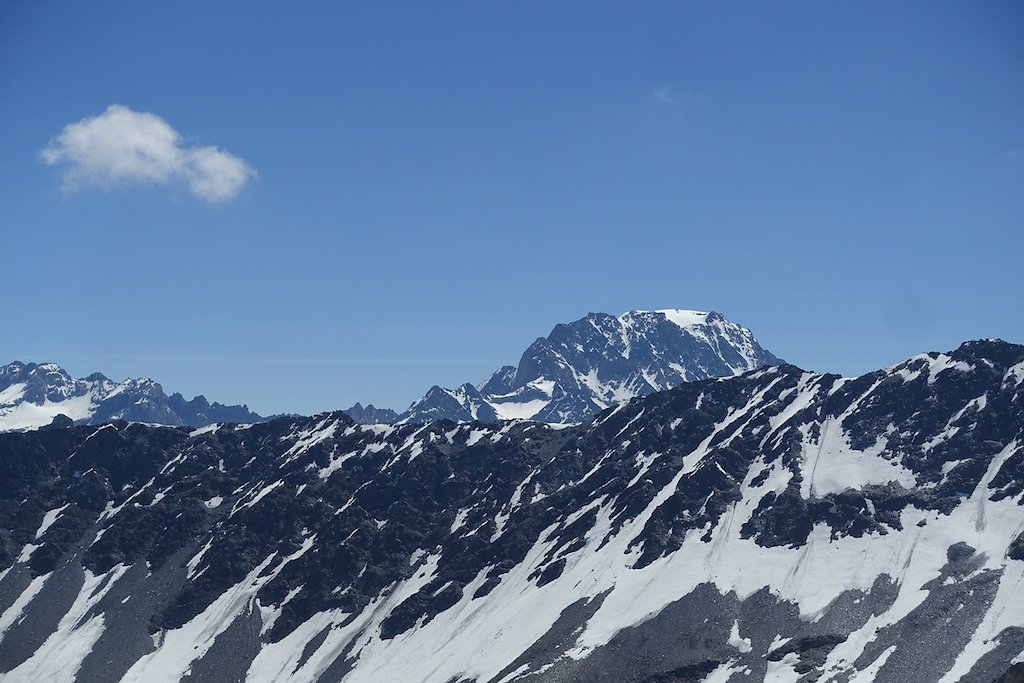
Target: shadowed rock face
[[779, 525], [32, 395], [370, 414], [596, 362]]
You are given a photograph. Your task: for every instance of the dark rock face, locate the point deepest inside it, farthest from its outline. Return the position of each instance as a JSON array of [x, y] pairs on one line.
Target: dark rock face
[[1015, 674], [33, 395], [779, 525], [598, 361], [369, 415]]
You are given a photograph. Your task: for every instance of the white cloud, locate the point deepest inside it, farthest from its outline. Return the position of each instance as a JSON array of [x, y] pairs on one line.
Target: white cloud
[[124, 147]]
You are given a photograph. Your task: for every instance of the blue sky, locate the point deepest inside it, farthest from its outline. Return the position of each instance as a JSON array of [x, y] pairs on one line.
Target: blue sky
[[434, 185]]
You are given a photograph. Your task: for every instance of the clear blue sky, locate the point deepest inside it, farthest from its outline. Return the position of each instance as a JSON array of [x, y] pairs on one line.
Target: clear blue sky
[[437, 184]]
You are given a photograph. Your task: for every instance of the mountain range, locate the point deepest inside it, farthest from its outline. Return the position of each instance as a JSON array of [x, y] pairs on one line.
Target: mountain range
[[592, 363], [777, 525], [579, 369], [32, 395]]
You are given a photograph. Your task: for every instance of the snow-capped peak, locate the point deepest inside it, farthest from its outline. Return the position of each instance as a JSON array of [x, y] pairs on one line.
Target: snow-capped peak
[[601, 360]]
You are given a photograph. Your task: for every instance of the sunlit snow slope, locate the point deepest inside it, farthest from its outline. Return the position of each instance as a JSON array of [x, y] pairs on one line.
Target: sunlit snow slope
[[776, 526]]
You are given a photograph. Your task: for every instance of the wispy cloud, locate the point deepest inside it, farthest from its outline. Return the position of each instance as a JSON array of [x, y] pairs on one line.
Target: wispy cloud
[[1011, 155], [670, 94], [664, 94], [123, 147]]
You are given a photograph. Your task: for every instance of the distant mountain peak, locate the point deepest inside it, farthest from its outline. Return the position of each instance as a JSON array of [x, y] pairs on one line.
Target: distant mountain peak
[[600, 360], [371, 415], [32, 395]]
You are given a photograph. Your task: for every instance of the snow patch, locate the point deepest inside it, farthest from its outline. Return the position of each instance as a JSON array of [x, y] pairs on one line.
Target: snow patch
[[831, 465], [683, 318], [60, 656], [13, 613], [48, 519], [177, 649], [737, 641]]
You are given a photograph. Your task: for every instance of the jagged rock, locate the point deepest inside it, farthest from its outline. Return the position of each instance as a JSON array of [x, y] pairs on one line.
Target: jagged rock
[[36, 395], [371, 415], [599, 361]]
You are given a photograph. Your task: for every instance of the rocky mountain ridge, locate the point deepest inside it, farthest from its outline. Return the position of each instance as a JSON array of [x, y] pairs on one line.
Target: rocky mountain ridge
[[33, 394], [595, 362], [370, 414], [780, 525]]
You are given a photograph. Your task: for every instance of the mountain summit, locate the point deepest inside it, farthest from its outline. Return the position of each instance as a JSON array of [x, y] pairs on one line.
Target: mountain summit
[[32, 395], [598, 361]]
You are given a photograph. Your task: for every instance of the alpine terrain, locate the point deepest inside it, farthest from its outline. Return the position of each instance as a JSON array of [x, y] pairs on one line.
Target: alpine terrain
[[779, 525], [595, 362], [32, 395]]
